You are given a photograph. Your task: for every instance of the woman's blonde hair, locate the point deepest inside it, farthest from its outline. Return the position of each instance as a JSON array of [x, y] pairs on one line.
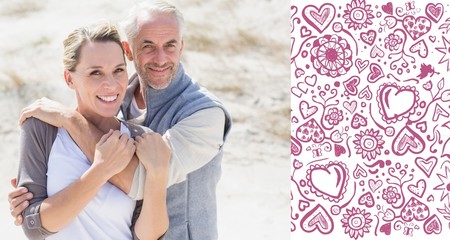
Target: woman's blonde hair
[[102, 31]]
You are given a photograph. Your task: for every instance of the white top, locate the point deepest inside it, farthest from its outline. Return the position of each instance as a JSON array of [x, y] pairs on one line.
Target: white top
[[108, 215], [194, 141]]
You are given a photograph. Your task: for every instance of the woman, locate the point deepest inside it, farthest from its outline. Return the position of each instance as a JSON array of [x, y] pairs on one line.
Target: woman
[[72, 197]]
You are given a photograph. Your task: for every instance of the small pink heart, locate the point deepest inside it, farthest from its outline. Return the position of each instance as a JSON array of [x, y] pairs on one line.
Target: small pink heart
[[351, 85], [432, 225], [367, 200], [365, 93], [376, 52], [358, 121], [339, 150], [351, 107], [368, 37], [360, 65], [374, 185], [359, 172], [386, 228], [419, 188], [376, 73], [387, 8], [311, 80]]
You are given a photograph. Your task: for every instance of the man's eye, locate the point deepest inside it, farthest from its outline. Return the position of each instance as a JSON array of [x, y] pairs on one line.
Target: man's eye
[[119, 70]]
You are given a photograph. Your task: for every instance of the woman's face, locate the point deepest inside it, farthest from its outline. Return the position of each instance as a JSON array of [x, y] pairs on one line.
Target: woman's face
[[99, 80]]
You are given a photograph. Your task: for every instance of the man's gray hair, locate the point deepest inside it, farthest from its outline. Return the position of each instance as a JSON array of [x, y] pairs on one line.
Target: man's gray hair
[[130, 26]]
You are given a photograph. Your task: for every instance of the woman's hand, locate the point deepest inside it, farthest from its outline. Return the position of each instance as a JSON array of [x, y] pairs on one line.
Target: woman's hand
[[113, 152]]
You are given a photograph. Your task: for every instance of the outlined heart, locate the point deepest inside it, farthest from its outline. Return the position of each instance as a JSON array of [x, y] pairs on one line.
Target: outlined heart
[[368, 37], [376, 73], [422, 126], [367, 200], [415, 210], [296, 146], [350, 106], [396, 102], [407, 140], [432, 225], [328, 181], [361, 65], [426, 165], [420, 47], [306, 111], [320, 18], [311, 80], [351, 85], [419, 188], [317, 219], [376, 52], [359, 172], [434, 11], [375, 185], [365, 93]]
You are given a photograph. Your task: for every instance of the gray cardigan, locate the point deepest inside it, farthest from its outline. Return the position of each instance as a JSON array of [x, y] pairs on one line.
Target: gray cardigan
[[36, 140]]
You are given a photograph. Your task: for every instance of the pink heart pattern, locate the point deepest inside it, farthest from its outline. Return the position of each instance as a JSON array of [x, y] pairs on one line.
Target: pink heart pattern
[[370, 100]]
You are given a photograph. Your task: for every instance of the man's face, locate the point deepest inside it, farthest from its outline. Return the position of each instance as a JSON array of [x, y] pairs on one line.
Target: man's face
[[157, 50]]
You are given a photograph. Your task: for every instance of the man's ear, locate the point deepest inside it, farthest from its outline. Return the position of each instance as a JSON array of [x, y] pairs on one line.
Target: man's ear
[[126, 47], [68, 78]]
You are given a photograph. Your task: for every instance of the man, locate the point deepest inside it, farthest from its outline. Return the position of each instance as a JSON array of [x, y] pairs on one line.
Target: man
[[164, 98]]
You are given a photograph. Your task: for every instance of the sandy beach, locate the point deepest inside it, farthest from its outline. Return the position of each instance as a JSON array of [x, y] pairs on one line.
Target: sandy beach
[[237, 49]]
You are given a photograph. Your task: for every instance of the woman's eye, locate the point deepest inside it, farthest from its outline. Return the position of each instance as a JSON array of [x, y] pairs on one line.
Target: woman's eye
[[95, 73], [118, 70]]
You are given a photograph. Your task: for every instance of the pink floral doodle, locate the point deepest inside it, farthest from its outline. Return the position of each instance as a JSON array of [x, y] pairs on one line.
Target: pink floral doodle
[[370, 119]]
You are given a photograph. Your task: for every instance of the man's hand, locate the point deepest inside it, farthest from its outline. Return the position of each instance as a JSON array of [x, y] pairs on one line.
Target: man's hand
[[49, 111], [113, 152], [18, 201], [154, 153]]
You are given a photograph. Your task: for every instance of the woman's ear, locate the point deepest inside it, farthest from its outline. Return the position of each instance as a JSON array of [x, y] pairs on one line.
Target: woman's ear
[[127, 48], [68, 78]]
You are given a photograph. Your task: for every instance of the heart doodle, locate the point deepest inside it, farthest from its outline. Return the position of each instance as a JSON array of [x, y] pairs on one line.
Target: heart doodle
[[339, 150], [320, 18], [389, 215], [421, 48], [376, 73], [386, 228], [432, 225], [365, 93], [426, 165], [407, 140], [305, 32], [416, 27], [359, 172], [375, 185], [311, 80], [422, 126], [368, 37], [434, 11], [351, 85], [376, 52], [328, 181], [367, 200], [351, 107], [419, 188], [296, 147], [306, 110], [360, 65], [414, 209], [397, 102], [439, 111], [358, 121], [310, 130], [387, 8], [317, 219]]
